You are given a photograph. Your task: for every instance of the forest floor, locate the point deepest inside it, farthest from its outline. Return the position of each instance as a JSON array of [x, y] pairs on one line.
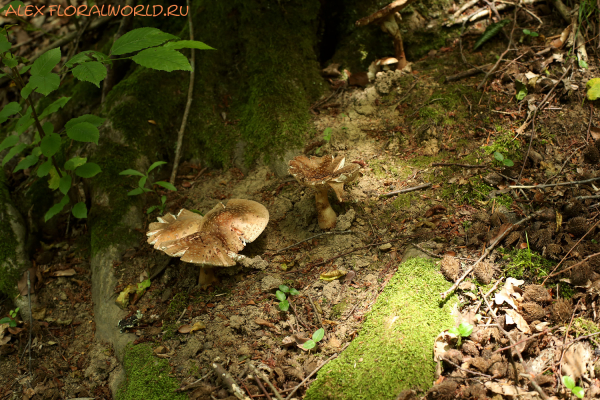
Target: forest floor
[[405, 130]]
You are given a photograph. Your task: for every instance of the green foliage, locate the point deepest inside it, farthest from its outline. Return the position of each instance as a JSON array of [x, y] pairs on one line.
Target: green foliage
[[282, 294], [491, 31], [593, 89], [570, 384], [530, 33], [526, 263], [500, 158], [142, 185], [464, 330], [316, 337], [91, 66], [326, 137], [11, 321]]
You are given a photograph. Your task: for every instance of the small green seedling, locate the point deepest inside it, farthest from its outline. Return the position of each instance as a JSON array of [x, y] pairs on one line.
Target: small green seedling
[[326, 137], [530, 33], [11, 321], [143, 189], [570, 384], [464, 330], [281, 295], [316, 337], [506, 161]]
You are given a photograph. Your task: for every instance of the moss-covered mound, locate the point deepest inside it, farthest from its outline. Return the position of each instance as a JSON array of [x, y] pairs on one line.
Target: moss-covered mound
[[394, 350], [147, 377]]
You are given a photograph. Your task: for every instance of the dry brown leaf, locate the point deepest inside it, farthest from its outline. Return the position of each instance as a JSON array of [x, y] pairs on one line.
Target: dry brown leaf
[[153, 122], [595, 132], [185, 329], [509, 293], [576, 359], [513, 317], [65, 272], [263, 322], [333, 275], [39, 313], [197, 326]]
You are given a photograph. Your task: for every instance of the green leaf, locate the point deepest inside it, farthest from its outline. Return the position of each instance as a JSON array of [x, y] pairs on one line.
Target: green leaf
[[284, 288], [84, 132], [498, 156], [280, 295], [454, 331], [13, 152], [150, 209], [27, 89], [24, 69], [156, 164], [9, 141], [54, 179], [54, 107], [135, 192], [188, 44], [593, 88], [508, 163], [50, 144], [4, 44], [75, 162], [5, 320], [143, 285], [92, 71], [86, 56], [491, 31], [91, 118], [15, 6], [162, 59], [27, 162], [465, 329], [327, 134], [579, 392], [318, 335], [284, 305], [45, 63], [48, 128], [10, 109], [568, 382], [24, 122], [10, 60], [294, 292], [309, 344], [166, 185], [139, 39], [131, 172], [55, 209], [45, 84], [65, 184], [44, 169], [583, 64], [527, 31], [88, 170], [142, 181], [79, 210]]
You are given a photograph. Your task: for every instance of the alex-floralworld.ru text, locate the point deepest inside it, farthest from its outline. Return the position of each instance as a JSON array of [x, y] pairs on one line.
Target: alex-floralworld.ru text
[[101, 11]]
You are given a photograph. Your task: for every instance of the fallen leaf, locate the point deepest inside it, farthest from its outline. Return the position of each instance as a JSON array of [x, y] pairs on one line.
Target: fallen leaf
[[123, 297], [15, 331], [517, 319], [185, 329], [263, 322], [509, 293], [153, 122], [65, 272], [332, 275], [197, 326]]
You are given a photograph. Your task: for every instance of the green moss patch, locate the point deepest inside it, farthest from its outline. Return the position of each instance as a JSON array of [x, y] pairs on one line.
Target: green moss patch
[[394, 350], [147, 376]]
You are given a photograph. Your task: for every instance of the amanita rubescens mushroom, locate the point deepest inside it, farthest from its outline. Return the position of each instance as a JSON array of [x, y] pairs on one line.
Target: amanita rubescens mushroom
[[387, 18], [321, 173], [213, 240]]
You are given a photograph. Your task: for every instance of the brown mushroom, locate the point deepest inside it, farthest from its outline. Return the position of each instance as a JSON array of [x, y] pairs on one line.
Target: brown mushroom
[[213, 240], [321, 173], [387, 18]]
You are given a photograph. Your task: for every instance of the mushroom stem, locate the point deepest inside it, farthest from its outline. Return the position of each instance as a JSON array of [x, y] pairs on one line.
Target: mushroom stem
[[326, 215], [390, 26], [207, 277]]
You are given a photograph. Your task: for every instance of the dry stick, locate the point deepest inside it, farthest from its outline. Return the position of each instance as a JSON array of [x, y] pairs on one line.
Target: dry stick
[[312, 237], [587, 138], [297, 316], [565, 163], [30, 318], [569, 252], [314, 372], [316, 312], [470, 72], [467, 370], [464, 7], [488, 293], [545, 331], [188, 105], [572, 266], [258, 374], [195, 384], [410, 189], [429, 253], [553, 184], [529, 375], [229, 381]]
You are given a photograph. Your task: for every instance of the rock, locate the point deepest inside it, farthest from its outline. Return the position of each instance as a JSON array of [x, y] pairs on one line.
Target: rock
[[279, 165], [385, 247], [332, 290], [345, 221], [270, 282], [492, 179], [236, 322], [254, 262]]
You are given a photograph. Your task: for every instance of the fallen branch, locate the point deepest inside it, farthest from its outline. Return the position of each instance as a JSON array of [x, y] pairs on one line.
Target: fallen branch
[[470, 72], [314, 372], [482, 13], [467, 370], [488, 293], [525, 340], [262, 376], [228, 381], [553, 184], [410, 189], [315, 309]]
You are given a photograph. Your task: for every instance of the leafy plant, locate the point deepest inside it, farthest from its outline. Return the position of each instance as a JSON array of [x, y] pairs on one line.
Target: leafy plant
[[500, 158], [148, 47], [11, 321], [142, 185], [530, 33], [491, 31], [326, 137], [282, 294], [316, 337], [570, 384], [464, 330]]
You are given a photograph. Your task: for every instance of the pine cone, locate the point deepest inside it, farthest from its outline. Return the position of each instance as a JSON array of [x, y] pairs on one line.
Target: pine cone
[[581, 274], [536, 293], [450, 268], [532, 311], [498, 218], [481, 216], [574, 208], [578, 226], [554, 251], [592, 155], [561, 311], [484, 272], [512, 238]]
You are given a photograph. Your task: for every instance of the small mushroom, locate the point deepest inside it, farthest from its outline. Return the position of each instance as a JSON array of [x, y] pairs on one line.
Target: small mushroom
[[321, 173], [387, 18], [213, 240]]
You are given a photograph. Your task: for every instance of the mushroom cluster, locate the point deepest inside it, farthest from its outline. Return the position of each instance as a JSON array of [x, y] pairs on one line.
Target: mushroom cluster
[[213, 240], [322, 173]]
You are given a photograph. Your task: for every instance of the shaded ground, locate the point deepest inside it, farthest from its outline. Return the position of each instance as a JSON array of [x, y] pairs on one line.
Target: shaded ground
[[398, 128]]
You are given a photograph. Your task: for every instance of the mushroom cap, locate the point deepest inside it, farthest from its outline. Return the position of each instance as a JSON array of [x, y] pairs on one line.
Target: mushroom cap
[[326, 170], [387, 61], [214, 238], [379, 15]]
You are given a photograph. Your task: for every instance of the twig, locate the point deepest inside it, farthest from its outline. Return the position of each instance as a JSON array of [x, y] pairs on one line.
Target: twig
[[258, 374], [565, 163], [427, 251], [571, 267], [467, 370], [195, 384], [470, 72], [553, 184], [510, 42], [464, 7], [314, 372], [525, 340], [410, 189], [459, 165], [488, 293], [316, 312], [30, 318], [297, 316], [188, 105], [228, 381], [407, 93], [312, 237]]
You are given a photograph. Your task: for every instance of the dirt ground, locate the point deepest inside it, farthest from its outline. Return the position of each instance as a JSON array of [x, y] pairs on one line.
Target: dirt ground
[[397, 129]]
